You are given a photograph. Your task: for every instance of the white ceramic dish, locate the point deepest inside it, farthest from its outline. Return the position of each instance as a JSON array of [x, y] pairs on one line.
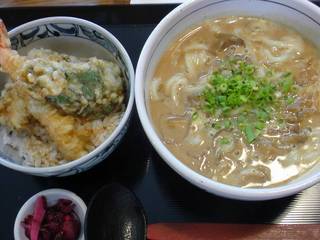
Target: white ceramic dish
[[301, 15], [52, 195], [81, 38]]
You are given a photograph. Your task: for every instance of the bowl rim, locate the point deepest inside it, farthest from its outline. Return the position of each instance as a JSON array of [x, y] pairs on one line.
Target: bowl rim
[[108, 141], [53, 191], [209, 185]]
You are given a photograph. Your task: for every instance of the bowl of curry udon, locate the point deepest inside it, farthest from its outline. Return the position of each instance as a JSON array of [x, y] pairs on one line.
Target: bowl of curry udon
[[228, 94]]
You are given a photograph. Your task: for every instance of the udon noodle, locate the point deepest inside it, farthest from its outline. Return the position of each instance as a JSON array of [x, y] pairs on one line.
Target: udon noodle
[[237, 100]]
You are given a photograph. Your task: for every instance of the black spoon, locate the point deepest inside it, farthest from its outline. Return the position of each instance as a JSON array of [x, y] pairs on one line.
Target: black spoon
[[115, 213]]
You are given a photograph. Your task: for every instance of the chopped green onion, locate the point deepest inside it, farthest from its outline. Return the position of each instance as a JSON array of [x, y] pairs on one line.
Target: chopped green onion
[[249, 133], [195, 115], [290, 100], [260, 125], [224, 141], [227, 124], [217, 125], [262, 115], [236, 86], [287, 83]]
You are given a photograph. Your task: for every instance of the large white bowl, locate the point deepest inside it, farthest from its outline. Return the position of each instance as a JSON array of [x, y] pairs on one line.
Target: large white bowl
[[301, 15], [80, 38]]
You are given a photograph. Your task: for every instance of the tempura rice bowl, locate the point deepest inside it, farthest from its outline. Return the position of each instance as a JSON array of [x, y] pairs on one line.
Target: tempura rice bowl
[[79, 38]]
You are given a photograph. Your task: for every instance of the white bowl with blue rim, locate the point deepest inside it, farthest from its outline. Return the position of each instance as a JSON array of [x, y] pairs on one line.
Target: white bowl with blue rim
[[81, 38], [301, 15]]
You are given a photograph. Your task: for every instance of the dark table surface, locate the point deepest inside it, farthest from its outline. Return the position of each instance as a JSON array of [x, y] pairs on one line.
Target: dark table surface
[[166, 196]]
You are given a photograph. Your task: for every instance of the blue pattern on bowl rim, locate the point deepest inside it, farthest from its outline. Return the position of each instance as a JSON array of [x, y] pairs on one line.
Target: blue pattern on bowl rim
[[66, 29]]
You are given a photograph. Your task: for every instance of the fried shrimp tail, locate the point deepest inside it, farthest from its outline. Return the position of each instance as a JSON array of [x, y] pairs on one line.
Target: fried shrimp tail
[[4, 39], [10, 61]]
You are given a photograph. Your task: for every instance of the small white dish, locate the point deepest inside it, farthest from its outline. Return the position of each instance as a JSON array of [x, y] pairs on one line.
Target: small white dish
[[52, 196]]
